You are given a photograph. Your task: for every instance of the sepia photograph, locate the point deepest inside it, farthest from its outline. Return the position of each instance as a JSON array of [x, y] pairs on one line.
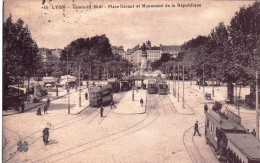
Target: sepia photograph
[[130, 81]]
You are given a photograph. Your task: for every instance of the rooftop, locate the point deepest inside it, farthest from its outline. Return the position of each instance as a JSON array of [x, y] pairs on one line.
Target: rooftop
[[246, 143]]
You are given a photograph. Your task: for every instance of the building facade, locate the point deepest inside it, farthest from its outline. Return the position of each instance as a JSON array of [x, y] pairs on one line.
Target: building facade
[[153, 53], [49, 55]]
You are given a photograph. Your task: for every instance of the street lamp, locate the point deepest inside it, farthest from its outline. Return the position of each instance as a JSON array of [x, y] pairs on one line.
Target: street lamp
[[178, 81], [79, 86], [183, 86], [68, 85]]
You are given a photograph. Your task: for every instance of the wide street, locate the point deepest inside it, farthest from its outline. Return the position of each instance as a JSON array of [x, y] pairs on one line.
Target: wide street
[[161, 131]]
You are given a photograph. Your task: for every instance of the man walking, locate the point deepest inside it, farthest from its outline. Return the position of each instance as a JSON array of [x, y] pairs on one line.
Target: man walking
[[206, 108], [142, 102], [45, 109], [45, 135], [196, 129], [101, 111]]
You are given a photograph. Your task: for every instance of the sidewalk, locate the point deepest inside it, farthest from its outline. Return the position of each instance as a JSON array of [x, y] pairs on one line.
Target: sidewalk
[[52, 96], [220, 94], [178, 105], [127, 106]]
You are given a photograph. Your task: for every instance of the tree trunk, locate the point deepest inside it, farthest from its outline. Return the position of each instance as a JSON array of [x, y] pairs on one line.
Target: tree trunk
[[230, 92]]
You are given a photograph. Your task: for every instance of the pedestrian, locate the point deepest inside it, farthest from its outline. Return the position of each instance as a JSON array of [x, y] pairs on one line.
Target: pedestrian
[[45, 108], [101, 111], [247, 131], [86, 95], [48, 102], [57, 91], [206, 108], [196, 129], [112, 104], [22, 106], [142, 102], [39, 112], [253, 132], [45, 136]]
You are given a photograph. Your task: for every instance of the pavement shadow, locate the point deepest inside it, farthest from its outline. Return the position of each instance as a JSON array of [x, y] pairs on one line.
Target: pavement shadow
[[52, 142]]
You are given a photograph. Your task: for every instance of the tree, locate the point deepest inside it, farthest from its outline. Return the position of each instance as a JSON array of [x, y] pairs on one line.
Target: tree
[[20, 58], [93, 51]]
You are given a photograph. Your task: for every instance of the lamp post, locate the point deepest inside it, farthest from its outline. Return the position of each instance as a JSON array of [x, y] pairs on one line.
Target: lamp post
[[183, 86], [257, 106], [203, 82], [79, 86], [68, 86], [133, 93], [178, 94]]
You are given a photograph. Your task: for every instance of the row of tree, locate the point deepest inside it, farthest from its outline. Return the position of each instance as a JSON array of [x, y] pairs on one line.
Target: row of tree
[[21, 60], [229, 53]]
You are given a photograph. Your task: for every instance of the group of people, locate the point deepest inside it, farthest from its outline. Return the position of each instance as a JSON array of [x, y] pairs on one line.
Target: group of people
[[46, 106]]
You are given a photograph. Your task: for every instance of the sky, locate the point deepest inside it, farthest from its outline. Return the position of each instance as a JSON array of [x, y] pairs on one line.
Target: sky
[[128, 27]]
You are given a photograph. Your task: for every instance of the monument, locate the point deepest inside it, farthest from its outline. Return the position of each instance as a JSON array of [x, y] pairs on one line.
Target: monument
[[143, 59]]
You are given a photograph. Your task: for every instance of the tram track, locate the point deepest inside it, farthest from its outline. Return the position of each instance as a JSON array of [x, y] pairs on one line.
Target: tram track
[[63, 126], [145, 122], [192, 149]]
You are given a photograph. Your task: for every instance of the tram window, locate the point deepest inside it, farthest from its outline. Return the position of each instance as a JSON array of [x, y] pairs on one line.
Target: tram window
[[93, 95]]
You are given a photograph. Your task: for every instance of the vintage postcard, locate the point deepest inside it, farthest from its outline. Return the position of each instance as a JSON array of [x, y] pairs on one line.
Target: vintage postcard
[[131, 81]]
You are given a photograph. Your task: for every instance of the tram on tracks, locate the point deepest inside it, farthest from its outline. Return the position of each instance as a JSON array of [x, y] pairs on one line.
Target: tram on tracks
[[114, 83], [162, 86], [125, 83], [100, 95], [152, 86], [229, 139]]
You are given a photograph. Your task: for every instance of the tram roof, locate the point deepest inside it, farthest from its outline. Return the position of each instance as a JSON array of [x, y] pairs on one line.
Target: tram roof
[[224, 123], [248, 144]]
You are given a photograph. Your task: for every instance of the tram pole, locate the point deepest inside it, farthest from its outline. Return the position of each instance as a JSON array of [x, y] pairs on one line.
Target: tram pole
[[178, 81], [173, 86], [183, 86], [256, 107], [68, 91], [79, 87], [203, 82]]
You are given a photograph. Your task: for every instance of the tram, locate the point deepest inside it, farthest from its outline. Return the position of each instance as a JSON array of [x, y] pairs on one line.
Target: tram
[[100, 95], [162, 86], [152, 86], [114, 83], [125, 83], [225, 134]]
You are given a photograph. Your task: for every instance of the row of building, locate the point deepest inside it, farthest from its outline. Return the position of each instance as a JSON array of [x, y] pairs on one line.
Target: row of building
[[153, 53], [132, 55], [49, 55]]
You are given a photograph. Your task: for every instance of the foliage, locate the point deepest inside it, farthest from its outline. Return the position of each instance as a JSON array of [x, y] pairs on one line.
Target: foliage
[[165, 57], [20, 58], [229, 53], [91, 54]]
